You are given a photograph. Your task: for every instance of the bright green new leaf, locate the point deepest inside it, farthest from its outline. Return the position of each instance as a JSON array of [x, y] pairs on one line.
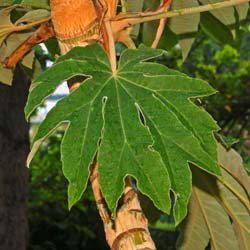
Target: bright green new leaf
[[140, 120]]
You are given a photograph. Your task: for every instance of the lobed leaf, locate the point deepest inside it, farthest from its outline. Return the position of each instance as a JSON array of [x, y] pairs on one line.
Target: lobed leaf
[[140, 122]]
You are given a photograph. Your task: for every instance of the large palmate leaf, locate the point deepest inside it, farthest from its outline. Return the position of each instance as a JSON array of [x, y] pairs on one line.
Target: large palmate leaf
[[219, 211], [139, 119]]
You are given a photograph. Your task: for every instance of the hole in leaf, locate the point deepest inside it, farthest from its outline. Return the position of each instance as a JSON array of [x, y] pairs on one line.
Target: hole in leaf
[[141, 115]]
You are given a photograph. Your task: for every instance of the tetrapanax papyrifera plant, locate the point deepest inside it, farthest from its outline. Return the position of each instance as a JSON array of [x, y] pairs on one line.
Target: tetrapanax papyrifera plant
[[131, 123]]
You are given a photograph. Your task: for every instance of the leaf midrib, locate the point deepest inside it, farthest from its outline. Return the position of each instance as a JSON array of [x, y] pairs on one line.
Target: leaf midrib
[[213, 242], [169, 138], [125, 137]]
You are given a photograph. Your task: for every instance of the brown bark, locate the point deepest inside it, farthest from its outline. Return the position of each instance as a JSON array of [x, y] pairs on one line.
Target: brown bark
[[14, 147], [79, 23]]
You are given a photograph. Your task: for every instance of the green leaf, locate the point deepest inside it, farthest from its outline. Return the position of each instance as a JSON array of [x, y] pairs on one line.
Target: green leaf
[[41, 4], [168, 39], [194, 233], [185, 26], [6, 49], [6, 76], [232, 162], [218, 211], [242, 10], [224, 15], [144, 117], [207, 219], [134, 6], [226, 141], [6, 25], [28, 59], [14, 39], [4, 3], [33, 16], [215, 29]]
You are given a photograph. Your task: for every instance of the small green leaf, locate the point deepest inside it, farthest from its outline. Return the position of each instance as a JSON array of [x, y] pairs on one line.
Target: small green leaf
[[141, 122], [226, 141]]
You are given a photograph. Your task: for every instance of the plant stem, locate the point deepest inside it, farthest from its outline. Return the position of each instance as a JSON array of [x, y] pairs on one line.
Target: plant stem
[[166, 5], [30, 25], [112, 53], [129, 230], [43, 33], [123, 21]]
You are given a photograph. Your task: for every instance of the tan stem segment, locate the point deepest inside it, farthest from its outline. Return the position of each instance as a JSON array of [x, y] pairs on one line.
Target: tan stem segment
[[75, 22], [129, 230], [43, 33], [79, 22]]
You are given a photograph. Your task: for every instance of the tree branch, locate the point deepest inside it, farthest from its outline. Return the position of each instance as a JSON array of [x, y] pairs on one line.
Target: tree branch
[[17, 28], [112, 6], [44, 32], [123, 20]]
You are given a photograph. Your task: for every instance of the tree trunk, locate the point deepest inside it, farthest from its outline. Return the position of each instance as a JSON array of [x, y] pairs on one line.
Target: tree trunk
[[79, 23], [14, 147]]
